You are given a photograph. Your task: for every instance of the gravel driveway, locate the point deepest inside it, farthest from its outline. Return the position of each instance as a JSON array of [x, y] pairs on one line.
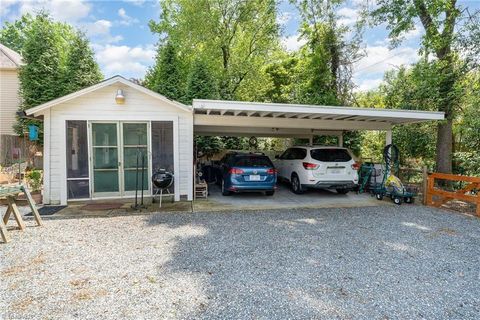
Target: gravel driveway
[[385, 262]]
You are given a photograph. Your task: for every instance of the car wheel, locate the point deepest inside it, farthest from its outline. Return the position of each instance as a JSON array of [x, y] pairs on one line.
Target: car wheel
[[296, 185], [269, 193], [224, 191], [342, 191]]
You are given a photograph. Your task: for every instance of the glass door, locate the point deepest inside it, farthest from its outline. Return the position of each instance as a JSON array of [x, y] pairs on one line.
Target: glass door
[[135, 157], [105, 160]]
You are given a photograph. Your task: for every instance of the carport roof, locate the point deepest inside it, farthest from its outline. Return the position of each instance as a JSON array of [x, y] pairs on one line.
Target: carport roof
[[312, 112]]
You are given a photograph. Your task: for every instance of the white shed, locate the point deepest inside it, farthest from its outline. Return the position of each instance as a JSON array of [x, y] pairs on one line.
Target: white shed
[[91, 142], [92, 139]]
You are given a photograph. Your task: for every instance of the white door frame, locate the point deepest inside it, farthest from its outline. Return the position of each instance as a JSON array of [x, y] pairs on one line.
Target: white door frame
[[128, 117]]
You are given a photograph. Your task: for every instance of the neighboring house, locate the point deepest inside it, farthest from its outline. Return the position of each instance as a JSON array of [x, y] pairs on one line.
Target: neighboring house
[[10, 62], [92, 137]]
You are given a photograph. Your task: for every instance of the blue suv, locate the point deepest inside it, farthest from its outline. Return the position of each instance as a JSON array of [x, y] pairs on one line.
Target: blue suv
[[246, 172]]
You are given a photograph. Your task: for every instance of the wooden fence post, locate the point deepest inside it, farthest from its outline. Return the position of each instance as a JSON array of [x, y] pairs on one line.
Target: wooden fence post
[[424, 184]]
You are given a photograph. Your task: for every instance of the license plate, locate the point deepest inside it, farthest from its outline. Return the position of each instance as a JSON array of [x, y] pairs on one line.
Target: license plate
[[254, 177], [335, 170]]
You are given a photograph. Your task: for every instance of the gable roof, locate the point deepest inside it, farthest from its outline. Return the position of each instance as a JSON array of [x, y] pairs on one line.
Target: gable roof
[[100, 85], [9, 59]]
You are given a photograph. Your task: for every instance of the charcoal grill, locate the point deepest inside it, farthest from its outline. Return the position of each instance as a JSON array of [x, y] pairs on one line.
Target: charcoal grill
[[163, 180]]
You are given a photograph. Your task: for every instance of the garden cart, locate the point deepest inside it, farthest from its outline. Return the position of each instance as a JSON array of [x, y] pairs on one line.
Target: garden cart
[[391, 186]]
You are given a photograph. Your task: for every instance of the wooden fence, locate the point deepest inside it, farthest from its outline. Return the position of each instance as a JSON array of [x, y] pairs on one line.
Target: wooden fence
[[469, 191]]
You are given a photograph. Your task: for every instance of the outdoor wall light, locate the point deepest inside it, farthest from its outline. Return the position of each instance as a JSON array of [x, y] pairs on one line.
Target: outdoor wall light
[[119, 97]]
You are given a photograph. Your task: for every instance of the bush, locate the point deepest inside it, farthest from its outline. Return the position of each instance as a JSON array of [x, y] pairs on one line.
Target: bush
[[467, 163], [34, 179]]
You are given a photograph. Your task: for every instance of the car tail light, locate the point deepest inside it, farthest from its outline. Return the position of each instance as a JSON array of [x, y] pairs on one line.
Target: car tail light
[[235, 171], [356, 166], [271, 171], [310, 166]]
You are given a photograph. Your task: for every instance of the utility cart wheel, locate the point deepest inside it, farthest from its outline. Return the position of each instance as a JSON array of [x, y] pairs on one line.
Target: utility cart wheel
[[408, 200], [397, 200], [379, 196]]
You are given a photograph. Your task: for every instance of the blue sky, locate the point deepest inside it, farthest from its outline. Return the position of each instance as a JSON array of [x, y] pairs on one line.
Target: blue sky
[[124, 45]]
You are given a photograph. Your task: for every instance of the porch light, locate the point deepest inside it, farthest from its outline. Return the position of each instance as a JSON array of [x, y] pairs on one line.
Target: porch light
[[119, 97]]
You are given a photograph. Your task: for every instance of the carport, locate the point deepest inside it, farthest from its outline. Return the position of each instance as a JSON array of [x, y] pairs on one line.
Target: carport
[[234, 118]]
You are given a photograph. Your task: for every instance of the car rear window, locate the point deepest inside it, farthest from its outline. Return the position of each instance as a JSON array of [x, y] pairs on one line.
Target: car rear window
[[330, 155], [252, 161]]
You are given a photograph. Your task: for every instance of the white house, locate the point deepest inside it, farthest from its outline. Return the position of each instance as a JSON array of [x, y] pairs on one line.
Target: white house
[[10, 62], [92, 137]]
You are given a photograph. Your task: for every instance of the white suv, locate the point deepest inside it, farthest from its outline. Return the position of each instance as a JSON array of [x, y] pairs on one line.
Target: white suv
[[318, 167]]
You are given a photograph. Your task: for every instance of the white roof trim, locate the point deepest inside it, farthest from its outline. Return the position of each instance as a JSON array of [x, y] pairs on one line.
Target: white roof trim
[[13, 56], [389, 115], [113, 80]]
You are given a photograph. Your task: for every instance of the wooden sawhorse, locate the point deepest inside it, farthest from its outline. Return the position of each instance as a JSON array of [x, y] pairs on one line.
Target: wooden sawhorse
[[11, 193]]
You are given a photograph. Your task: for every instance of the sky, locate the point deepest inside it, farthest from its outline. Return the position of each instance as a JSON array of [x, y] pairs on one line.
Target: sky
[[124, 45]]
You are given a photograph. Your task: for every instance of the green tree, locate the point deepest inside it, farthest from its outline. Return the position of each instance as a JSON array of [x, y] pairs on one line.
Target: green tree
[[445, 23], [201, 83], [329, 53], [40, 77], [166, 77], [236, 37], [81, 69], [14, 34], [282, 77], [57, 58]]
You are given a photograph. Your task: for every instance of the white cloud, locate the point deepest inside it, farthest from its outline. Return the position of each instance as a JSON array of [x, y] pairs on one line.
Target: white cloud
[[124, 60], [284, 17], [368, 84], [99, 27], [100, 30], [348, 16], [293, 43], [369, 71], [126, 19], [381, 59], [414, 33], [70, 11]]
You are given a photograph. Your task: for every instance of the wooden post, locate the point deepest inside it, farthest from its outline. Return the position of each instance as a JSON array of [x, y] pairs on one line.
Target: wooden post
[[33, 206], [424, 184], [16, 212], [429, 198], [4, 232]]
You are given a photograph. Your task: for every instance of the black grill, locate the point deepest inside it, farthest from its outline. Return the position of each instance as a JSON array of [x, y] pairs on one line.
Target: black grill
[[162, 179]]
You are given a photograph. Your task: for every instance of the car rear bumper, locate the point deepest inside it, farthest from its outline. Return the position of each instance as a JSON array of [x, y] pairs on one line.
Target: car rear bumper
[[252, 188], [331, 185]]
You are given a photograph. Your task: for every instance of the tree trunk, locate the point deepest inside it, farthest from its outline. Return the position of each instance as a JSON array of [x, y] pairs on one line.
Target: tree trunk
[[444, 146]]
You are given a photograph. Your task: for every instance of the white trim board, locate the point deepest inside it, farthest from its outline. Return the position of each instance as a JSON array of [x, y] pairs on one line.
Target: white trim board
[[116, 79], [266, 110]]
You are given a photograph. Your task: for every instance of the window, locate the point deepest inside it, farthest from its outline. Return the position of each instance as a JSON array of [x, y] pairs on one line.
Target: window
[[253, 161], [298, 153], [78, 182], [162, 148], [286, 154], [331, 155]]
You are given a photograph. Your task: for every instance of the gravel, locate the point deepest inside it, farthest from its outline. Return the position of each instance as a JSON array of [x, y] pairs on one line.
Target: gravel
[[385, 262]]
